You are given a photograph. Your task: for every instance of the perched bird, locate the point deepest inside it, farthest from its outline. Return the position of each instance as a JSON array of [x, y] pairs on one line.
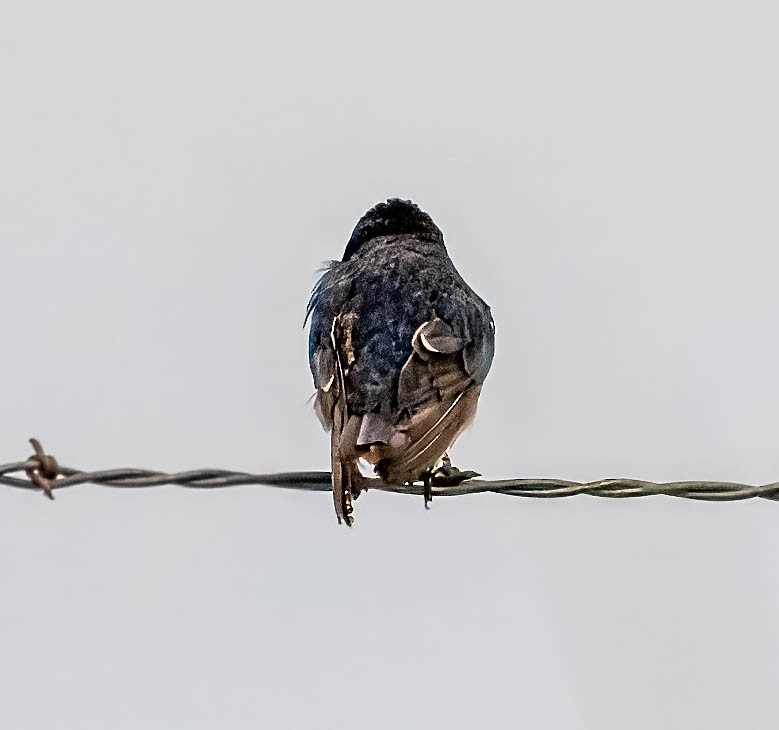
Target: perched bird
[[399, 347]]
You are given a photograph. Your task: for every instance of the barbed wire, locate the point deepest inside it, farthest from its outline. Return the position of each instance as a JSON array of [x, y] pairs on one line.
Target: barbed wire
[[42, 473]]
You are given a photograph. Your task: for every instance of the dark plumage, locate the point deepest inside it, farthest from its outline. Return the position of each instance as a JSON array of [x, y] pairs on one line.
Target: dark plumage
[[399, 347]]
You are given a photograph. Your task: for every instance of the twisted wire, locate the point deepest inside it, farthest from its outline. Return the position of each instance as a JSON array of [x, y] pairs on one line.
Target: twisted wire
[[42, 473]]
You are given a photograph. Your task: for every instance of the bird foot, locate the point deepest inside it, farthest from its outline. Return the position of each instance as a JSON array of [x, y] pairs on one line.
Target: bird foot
[[445, 475]]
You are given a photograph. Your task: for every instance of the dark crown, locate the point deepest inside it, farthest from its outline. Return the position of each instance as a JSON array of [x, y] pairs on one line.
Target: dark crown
[[395, 217]]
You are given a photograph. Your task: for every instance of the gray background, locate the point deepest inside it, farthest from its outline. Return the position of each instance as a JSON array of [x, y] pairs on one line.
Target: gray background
[[173, 175]]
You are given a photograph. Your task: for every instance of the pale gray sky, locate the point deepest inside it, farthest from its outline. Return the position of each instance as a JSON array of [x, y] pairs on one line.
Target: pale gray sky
[[173, 174]]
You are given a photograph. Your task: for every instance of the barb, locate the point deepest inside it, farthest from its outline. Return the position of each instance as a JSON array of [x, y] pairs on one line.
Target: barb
[[44, 474], [42, 469]]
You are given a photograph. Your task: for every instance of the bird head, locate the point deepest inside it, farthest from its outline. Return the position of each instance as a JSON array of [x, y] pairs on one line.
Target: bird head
[[395, 217]]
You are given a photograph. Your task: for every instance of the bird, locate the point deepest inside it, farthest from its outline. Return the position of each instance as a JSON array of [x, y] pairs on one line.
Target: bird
[[399, 347]]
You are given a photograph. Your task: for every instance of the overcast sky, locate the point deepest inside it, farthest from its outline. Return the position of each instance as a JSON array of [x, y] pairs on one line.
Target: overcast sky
[[173, 175]]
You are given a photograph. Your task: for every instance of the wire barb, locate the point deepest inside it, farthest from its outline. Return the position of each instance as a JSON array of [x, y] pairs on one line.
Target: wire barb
[[42, 469], [44, 474]]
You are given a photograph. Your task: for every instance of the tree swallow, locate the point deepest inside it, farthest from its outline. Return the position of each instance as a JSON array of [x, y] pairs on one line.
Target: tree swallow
[[399, 347]]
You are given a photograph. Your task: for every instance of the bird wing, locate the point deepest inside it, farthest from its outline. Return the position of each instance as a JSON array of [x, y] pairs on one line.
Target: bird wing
[[330, 365], [327, 300], [438, 389]]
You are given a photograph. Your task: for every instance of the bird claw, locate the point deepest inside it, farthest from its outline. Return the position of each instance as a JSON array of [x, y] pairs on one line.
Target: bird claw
[[445, 475]]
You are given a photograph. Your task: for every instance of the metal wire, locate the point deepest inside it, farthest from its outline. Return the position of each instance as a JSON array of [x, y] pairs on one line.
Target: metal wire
[[42, 473]]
